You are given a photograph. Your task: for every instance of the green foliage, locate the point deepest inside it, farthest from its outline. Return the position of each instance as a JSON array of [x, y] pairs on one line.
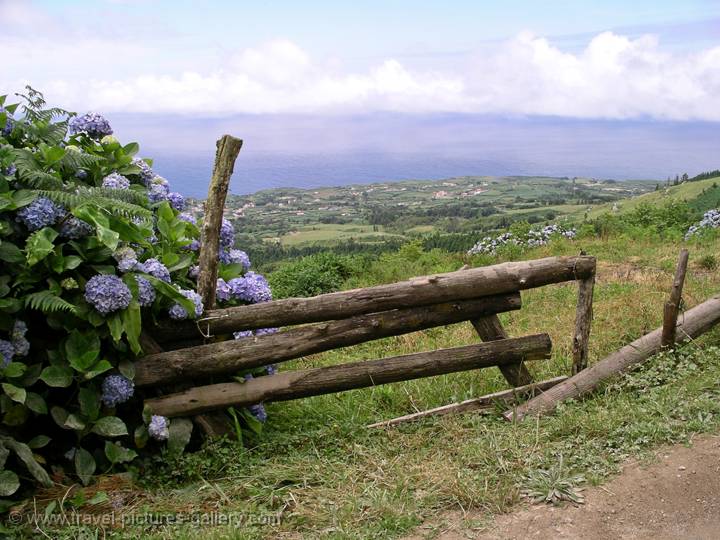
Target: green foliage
[[316, 274]]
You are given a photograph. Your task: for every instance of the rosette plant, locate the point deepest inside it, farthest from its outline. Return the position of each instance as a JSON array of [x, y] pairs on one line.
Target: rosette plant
[[93, 245]]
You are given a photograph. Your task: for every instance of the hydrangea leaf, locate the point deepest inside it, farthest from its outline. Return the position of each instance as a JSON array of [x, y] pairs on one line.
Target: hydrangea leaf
[[132, 324], [9, 483], [82, 349], [57, 376], [101, 367], [9, 252], [117, 453], [36, 403], [110, 426], [75, 421], [180, 432], [4, 453], [14, 393], [39, 245], [39, 441], [23, 452], [89, 402], [141, 436], [14, 369], [84, 465], [115, 325]]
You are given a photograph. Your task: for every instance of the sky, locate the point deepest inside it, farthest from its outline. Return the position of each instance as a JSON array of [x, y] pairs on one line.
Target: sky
[[607, 59]]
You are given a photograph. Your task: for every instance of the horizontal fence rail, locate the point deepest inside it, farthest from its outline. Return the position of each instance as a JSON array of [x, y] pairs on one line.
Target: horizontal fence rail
[[297, 384], [461, 285], [229, 357]]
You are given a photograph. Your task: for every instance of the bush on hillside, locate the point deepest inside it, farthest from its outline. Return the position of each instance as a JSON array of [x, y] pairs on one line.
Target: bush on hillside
[[312, 275], [93, 244]]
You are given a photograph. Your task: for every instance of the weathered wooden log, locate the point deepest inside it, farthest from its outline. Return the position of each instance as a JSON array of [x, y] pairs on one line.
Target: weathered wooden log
[[583, 319], [672, 306], [228, 148], [423, 291], [694, 323], [491, 329], [483, 402], [311, 382], [234, 355]]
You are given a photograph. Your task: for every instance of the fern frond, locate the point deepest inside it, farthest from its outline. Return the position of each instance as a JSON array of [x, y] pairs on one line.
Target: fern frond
[[85, 196], [80, 160], [47, 302], [127, 195]]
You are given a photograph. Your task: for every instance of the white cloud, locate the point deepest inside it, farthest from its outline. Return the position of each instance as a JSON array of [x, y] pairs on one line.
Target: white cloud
[[613, 77]]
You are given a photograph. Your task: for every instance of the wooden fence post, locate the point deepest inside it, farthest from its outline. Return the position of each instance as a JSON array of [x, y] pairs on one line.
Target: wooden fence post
[[228, 148], [672, 306], [583, 319]]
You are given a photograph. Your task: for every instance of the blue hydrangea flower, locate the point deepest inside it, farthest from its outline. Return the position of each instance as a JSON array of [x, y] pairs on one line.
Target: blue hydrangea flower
[[107, 293], [115, 181], [17, 337], [227, 234], [42, 212], [155, 268], [258, 411], [266, 331], [146, 173], [158, 428], [146, 292], [194, 271], [193, 246], [271, 369], [176, 200], [81, 174], [243, 334], [116, 389], [7, 351], [10, 170], [234, 256], [93, 124], [189, 218], [74, 228], [7, 129], [252, 288], [178, 312]]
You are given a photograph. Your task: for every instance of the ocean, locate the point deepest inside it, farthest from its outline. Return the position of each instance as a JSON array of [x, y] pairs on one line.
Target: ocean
[[307, 151]]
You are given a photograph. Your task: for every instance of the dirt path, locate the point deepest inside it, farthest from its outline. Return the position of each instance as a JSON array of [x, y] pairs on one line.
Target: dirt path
[[676, 497]]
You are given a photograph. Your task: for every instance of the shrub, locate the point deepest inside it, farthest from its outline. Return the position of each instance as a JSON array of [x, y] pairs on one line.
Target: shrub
[[312, 275], [92, 243]]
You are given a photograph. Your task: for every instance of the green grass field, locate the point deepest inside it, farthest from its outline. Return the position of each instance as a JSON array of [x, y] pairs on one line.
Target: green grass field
[[323, 474], [328, 233]]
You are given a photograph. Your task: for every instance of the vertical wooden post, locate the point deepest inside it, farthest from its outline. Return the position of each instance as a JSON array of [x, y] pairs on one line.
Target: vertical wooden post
[[583, 319], [491, 329], [228, 148], [672, 306]]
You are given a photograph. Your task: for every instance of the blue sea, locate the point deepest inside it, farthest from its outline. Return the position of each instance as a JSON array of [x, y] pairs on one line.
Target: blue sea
[[307, 151]]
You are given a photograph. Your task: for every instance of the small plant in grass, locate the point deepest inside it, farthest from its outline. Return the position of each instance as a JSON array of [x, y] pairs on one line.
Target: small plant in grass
[[92, 243], [708, 262], [553, 485]]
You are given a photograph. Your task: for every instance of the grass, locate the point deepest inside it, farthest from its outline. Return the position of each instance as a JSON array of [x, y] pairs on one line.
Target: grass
[[324, 233], [325, 475]]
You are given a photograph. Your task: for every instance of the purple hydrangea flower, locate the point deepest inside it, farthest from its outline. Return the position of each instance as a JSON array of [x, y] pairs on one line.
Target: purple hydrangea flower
[[91, 123], [266, 331], [222, 290], [271, 369], [158, 428], [7, 129], [115, 181], [252, 288], [116, 389], [10, 170], [42, 212], [155, 268], [146, 292], [146, 173], [189, 218], [258, 411], [158, 193], [194, 271], [81, 174], [107, 293], [178, 312], [243, 334], [234, 256], [193, 246], [74, 228], [7, 351], [17, 337], [227, 234], [126, 258], [176, 200]]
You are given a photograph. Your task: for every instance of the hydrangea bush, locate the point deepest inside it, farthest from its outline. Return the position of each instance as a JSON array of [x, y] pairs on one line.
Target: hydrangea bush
[[524, 239], [710, 220], [93, 244]]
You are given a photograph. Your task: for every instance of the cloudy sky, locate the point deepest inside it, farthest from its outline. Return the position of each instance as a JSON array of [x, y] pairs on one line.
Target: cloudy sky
[[587, 59]]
